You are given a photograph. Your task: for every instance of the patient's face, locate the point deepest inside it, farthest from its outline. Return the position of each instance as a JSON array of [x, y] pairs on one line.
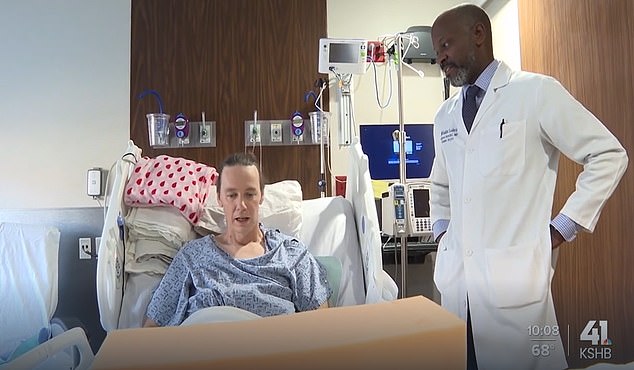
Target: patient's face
[[240, 197]]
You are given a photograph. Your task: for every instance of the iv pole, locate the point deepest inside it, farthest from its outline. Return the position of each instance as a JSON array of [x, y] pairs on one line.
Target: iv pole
[[402, 164], [345, 110], [319, 126], [322, 159]]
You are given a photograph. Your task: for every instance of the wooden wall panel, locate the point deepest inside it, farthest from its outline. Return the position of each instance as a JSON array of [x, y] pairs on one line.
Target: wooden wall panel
[[588, 46], [229, 58]]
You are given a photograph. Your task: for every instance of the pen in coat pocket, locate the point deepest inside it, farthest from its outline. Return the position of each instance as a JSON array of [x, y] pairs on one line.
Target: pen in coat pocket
[[502, 127]]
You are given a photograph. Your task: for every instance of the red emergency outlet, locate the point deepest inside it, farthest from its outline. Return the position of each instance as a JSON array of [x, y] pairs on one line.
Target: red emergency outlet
[[340, 185], [376, 52]]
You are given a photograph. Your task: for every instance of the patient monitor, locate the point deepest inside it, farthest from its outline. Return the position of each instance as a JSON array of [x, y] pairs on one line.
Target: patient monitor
[[343, 56], [405, 210]]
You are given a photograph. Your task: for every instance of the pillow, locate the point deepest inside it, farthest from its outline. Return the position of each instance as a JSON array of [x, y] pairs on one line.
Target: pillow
[[281, 209], [170, 181]]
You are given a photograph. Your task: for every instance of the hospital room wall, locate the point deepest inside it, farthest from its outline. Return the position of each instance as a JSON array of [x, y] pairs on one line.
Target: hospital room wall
[[229, 59], [64, 97], [375, 19], [65, 93], [587, 45], [64, 103]]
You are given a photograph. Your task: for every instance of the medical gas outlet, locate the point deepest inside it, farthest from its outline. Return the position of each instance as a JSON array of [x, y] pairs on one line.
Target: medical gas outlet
[[254, 130], [280, 133], [276, 133], [182, 133]]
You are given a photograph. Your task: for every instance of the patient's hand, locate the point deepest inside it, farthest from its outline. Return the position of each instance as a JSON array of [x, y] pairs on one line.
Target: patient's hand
[[149, 323]]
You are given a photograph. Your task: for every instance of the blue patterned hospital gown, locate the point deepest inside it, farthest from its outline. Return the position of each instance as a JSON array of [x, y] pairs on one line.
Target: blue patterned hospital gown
[[285, 279]]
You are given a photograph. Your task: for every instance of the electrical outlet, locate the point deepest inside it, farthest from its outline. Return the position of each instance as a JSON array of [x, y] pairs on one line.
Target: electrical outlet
[[376, 52], [85, 249], [276, 132], [254, 133]]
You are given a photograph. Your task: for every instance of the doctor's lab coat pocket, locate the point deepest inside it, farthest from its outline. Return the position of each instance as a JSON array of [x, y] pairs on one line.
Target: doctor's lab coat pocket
[[502, 149], [447, 267], [517, 276]]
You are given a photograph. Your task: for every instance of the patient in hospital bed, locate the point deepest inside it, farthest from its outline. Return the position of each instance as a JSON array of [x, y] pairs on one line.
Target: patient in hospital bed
[[248, 266]]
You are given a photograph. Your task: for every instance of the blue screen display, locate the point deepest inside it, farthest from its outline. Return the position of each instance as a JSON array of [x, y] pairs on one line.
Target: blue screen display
[[382, 150]]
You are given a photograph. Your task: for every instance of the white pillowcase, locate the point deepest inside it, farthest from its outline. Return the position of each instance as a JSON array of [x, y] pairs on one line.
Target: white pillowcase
[[281, 209]]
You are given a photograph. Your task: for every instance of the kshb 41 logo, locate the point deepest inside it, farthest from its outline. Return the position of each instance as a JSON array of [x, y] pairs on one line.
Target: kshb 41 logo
[[598, 336]]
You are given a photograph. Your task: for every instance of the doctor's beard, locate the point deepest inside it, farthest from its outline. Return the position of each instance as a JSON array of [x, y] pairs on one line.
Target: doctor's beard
[[461, 77]]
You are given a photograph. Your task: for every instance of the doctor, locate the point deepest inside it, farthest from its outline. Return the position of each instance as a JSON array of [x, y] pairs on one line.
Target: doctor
[[498, 143]]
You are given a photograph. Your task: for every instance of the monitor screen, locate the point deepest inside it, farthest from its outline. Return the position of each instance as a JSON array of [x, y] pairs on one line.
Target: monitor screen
[[343, 53], [421, 202], [379, 144]]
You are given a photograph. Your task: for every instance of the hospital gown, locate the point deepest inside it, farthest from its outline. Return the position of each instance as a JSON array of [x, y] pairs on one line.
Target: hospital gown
[[285, 279]]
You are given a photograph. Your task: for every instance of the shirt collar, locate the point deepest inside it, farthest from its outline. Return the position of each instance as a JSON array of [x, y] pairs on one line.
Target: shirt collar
[[484, 80]]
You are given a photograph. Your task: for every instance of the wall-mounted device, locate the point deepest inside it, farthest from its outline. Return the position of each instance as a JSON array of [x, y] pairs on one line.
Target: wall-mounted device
[[180, 133], [343, 56], [181, 128], [276, 133], [95, 182], [204, 131], [418, 209], [297, 127], [420, 51], [376, 52], [255, 133], [394, 210], [294, 130]]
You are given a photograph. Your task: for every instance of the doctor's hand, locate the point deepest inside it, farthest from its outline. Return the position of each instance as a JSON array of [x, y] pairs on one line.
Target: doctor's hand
[[555, 237]]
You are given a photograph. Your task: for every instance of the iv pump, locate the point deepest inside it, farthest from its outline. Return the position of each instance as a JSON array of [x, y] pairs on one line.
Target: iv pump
[[397, 192]]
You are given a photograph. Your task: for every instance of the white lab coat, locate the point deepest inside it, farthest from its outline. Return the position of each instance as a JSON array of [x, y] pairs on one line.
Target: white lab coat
[[498, 195]]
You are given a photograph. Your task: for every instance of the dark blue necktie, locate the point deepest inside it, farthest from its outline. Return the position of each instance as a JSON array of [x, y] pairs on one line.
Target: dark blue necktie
[[469, 107]]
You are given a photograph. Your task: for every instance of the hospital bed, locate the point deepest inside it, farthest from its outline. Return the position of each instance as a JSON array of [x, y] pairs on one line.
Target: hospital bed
[[31, 338], [343, 230]]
